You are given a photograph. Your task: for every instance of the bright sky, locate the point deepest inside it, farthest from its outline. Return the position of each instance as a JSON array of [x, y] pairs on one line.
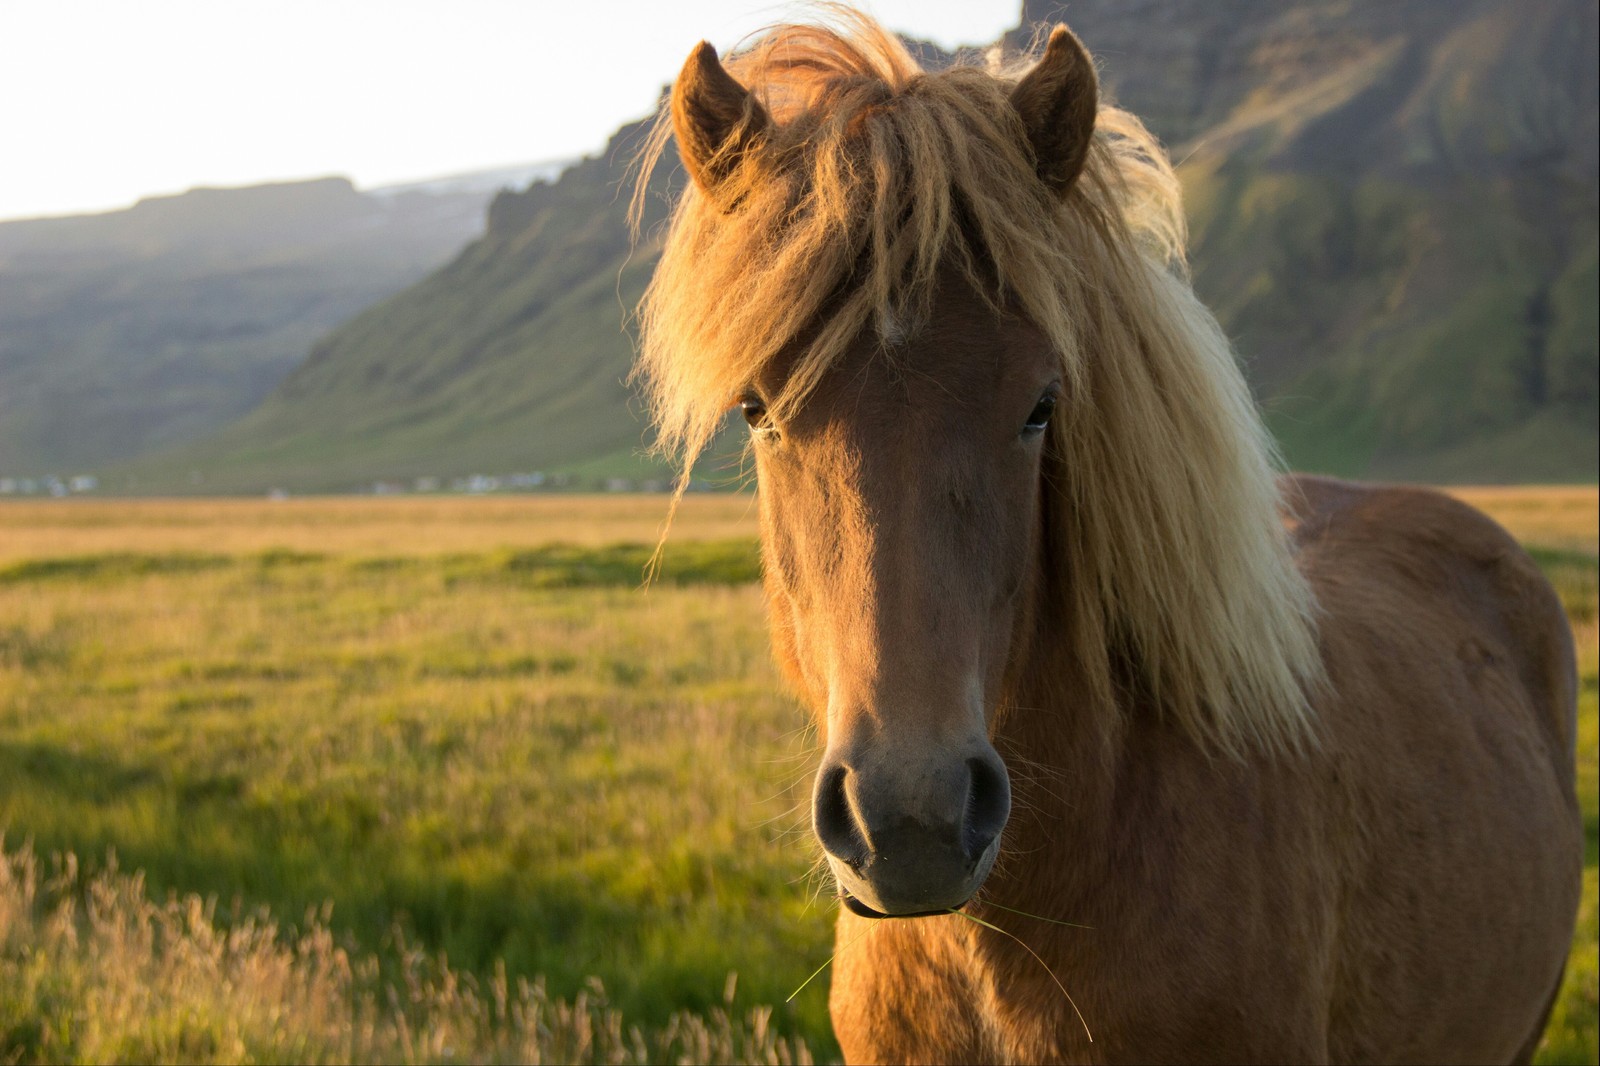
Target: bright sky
[[104, 101]]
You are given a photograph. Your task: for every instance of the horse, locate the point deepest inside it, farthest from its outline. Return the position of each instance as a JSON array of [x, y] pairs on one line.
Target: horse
[[1133, 749]]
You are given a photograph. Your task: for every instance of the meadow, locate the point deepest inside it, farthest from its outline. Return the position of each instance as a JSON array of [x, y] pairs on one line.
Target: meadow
[[436, 779]]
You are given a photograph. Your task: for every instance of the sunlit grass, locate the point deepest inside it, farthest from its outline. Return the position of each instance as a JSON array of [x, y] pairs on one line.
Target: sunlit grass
[[360, 525], [91, 970], [573, 782], [1573, 1035], [1562, 517], [500, 757]]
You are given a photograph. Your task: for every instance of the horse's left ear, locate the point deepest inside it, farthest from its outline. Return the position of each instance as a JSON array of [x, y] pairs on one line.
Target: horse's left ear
[[715, 119], [1057, 100]]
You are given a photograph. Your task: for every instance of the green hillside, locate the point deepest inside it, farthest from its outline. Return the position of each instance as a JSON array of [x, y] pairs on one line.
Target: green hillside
[[1394, 209], [511, 357], [132, 331], [1404, 248], [1460, 349]]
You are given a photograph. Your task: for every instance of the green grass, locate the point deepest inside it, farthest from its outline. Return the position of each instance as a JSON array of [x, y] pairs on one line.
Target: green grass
[[93, 970], [504, 773], [550, 566], [514, 757]]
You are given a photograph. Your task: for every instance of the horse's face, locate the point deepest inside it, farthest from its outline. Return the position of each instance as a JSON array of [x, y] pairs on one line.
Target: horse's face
[[899, 517], [900, 498]]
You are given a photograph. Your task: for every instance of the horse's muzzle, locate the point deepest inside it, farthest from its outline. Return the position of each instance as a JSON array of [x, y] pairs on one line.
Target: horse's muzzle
[[904, 839]]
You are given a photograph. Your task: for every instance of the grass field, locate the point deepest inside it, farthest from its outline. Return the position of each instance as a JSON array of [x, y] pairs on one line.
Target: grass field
[[437, 776], [1558, 517], [360, 525]]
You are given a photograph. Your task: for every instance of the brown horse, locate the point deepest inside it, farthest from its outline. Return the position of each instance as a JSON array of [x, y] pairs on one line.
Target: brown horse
[[1299, 754]]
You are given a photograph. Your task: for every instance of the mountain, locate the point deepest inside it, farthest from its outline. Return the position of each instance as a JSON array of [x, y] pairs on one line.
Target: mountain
[[130, 331], [511, 357], [1394, 212]]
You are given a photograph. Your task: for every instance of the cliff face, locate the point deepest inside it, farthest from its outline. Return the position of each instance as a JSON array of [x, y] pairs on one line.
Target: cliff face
[[1394, 212], [1409, 87]]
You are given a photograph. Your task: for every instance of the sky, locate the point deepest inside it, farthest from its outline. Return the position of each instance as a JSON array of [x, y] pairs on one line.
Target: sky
[[104, 102]]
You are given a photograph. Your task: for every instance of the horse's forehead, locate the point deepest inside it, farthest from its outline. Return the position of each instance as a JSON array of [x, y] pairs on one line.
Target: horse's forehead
[[961, 346], [893, 327], [903, 373]]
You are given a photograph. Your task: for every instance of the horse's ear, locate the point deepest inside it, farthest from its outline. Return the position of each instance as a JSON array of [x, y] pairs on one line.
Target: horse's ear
[[715, 119], [1057, 100]]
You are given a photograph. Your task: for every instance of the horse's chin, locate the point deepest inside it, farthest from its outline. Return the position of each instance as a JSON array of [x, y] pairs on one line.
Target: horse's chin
[[855, 906]]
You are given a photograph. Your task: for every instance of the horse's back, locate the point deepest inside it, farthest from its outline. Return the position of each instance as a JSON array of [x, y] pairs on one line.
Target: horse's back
[[1449, 727]]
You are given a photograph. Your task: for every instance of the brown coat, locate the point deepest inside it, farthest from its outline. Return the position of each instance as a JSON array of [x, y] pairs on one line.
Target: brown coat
[[1404, 895]]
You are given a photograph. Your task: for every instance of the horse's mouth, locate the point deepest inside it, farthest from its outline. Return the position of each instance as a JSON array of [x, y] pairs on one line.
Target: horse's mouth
[[924, 894], [855, 906]]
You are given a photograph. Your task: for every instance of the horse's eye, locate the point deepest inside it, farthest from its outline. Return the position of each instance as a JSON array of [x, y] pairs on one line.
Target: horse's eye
[[755, 412], [1040, 417]]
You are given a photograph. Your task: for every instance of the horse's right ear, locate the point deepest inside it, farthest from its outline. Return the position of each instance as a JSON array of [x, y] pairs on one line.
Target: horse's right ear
[[1058, 100], [715, 119]]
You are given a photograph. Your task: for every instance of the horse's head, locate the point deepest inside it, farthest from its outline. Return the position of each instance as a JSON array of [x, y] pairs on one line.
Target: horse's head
[[899, 503], [998, 440]]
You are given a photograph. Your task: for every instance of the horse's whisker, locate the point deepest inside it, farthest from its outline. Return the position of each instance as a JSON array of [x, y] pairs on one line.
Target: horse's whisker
[[1039, 917], [861, 933], [1041, 962]]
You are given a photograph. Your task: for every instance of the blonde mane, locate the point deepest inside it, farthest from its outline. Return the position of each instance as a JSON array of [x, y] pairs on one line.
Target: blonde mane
[[873, 177]]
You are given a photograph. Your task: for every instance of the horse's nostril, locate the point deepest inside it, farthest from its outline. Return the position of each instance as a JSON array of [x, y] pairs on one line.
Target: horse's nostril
[[988, 804], [835, 822]]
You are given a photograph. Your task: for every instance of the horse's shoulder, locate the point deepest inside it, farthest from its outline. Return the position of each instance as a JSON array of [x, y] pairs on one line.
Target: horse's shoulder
[[1403, 566]]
